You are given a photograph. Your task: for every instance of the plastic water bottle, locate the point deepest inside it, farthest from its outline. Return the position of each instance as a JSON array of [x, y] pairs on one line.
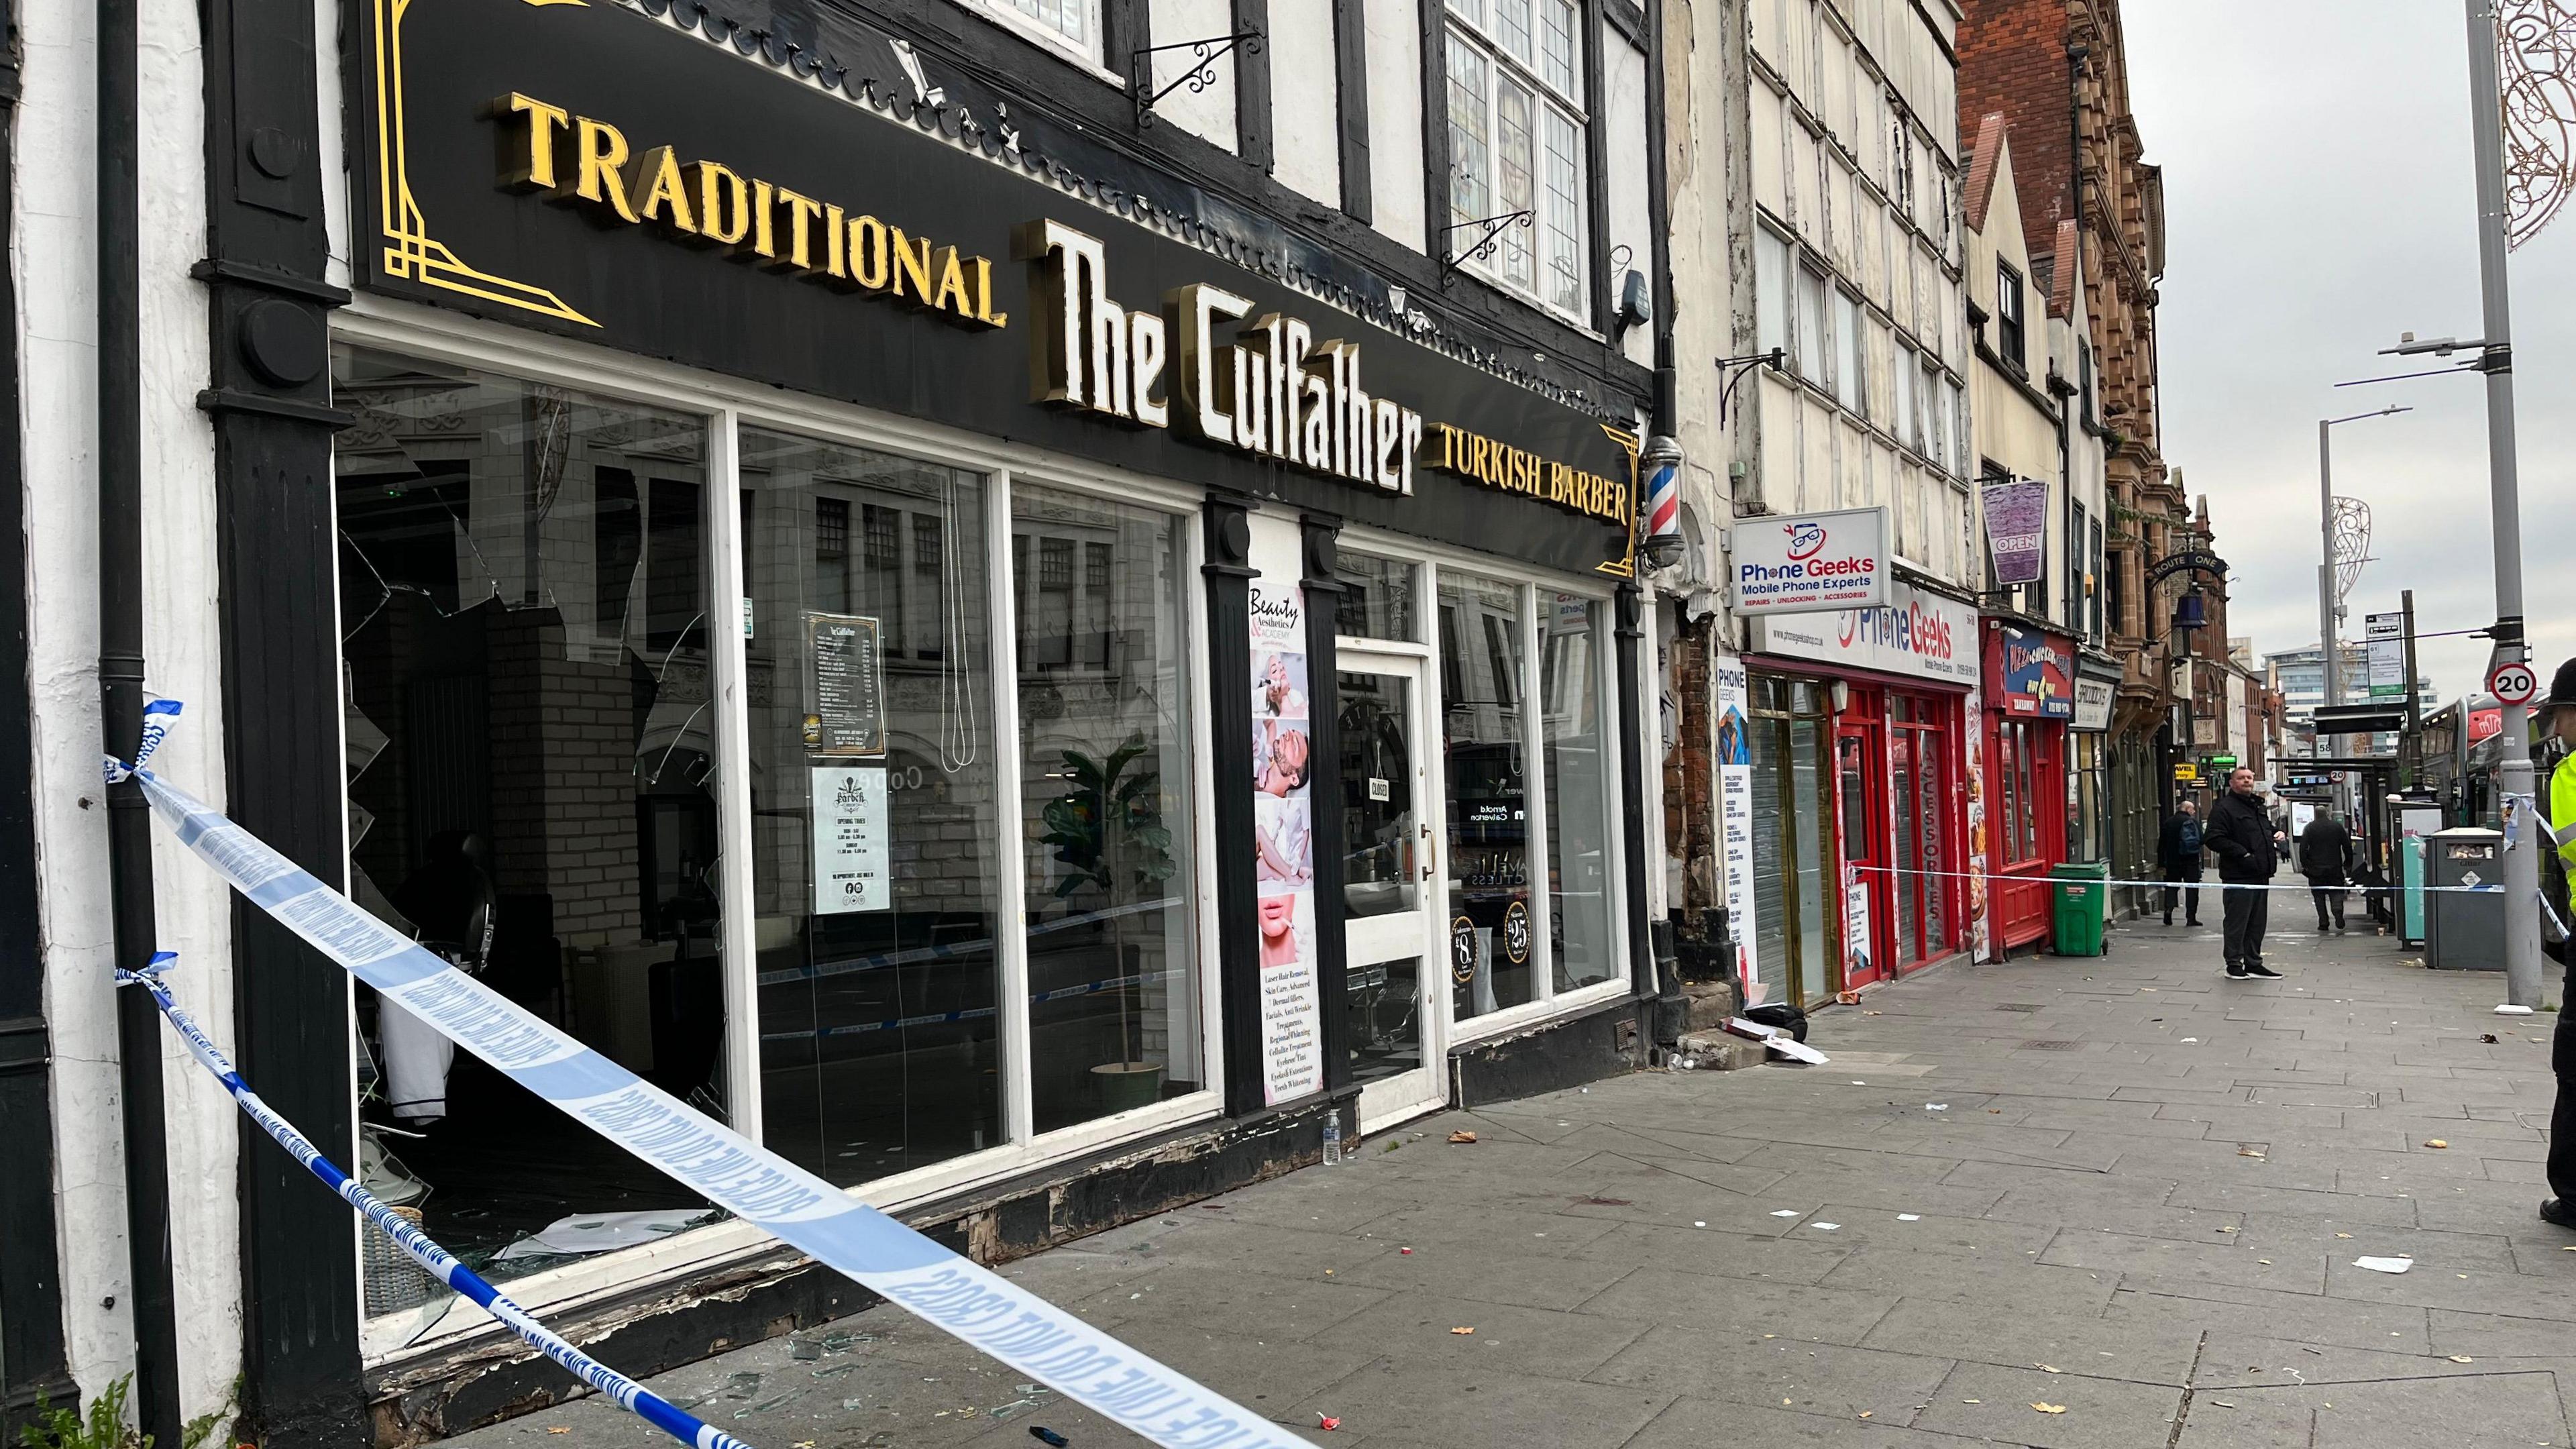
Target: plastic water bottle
[[1332, 1137]]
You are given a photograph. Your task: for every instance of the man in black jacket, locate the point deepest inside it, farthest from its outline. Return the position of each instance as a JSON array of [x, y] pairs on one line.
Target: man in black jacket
[[2325, 857], [2240, 833], [2178, 850]]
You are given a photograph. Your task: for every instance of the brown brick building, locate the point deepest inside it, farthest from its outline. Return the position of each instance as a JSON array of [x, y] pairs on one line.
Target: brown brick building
[[2057, 70]]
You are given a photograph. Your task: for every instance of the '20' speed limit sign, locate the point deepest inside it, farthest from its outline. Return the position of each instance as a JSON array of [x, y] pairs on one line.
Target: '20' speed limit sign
[[2513, 683]]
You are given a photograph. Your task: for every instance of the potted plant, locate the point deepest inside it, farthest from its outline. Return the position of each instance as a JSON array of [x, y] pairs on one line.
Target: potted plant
[[1107, 829]]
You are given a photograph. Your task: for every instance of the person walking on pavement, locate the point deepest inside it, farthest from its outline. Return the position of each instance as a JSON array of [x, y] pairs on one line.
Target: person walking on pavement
[[2325, 858], [2558, 897], [2241, 835], [2178, 850]]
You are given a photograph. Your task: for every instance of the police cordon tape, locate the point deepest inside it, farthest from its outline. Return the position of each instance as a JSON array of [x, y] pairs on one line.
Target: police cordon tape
[[2186, 883], [630, 1395], [978, 1307]]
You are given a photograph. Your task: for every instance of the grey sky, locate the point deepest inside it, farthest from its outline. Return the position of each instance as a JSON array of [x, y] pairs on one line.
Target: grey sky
[[2318, 199]]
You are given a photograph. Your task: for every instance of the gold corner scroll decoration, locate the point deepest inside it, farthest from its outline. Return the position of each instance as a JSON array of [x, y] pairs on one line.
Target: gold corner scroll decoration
[[1625, 567], [411, 252]]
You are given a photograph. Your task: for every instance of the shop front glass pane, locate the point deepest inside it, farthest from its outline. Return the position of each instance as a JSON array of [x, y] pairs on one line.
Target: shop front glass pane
[[2075, 807], [1931, 771], [876, 810], [1910, 883], [1771, 834], [1573, 644], [2008, 740], [1380, 829], [2026, 818], [531, 760], [1105, 806], [1377, 598], [1815, 908], [1492, 938]]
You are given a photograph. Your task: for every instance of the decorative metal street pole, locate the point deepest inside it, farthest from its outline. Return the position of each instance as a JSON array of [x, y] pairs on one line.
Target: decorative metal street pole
[[2522, 863], [2332, 657]]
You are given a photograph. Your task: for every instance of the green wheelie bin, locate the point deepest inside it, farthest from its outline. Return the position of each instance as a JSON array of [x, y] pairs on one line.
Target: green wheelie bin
[[2083, 906]]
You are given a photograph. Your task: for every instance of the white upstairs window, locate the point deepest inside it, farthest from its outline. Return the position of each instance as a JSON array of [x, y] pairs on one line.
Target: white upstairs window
[[1516, 145]]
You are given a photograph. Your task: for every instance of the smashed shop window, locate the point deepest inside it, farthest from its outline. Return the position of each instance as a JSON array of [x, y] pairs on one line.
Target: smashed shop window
[[524, 583]]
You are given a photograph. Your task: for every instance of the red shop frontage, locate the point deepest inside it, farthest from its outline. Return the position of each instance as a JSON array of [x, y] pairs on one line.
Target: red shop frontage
[[2029, 701], [1899, 680]]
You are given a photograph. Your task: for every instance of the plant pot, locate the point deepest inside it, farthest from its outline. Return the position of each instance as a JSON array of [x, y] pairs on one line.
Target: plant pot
[[1125, 1086]]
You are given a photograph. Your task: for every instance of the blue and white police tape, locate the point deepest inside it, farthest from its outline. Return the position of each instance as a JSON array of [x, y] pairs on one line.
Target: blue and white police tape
[[949, 1292], [2186, 882], [661, 1413], [157, 715]]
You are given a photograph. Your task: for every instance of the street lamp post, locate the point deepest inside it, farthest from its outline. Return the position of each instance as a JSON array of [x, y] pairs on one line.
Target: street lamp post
[[2494, 358], [2522, 864], [2332, 656]]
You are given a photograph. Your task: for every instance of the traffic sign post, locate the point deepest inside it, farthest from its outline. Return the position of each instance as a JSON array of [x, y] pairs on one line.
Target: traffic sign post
[[2513, 682]]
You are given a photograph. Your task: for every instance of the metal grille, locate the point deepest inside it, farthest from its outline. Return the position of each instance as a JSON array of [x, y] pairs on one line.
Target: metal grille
[[2049, 1046], [2016, 1006]]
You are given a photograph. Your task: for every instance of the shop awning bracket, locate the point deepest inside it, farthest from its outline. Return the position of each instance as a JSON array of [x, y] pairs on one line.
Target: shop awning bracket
[[1200, 75], [1485, 242]]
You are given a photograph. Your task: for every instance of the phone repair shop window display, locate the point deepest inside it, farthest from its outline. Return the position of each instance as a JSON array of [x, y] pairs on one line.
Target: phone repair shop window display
[[876, 807], [531, 754], [1510, 946], [1106, 804]]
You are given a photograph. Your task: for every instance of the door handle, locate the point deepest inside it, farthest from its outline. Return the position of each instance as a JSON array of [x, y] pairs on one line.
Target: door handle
[[1430, 854]]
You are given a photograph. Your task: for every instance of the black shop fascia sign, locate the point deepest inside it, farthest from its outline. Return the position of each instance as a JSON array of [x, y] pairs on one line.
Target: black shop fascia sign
[[603, 174]]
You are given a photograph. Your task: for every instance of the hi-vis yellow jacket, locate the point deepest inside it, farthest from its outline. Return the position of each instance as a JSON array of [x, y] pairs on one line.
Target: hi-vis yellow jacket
[[2562, 818]]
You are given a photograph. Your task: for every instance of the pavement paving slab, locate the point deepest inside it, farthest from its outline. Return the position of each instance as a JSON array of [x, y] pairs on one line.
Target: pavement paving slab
[[1904, 1248]]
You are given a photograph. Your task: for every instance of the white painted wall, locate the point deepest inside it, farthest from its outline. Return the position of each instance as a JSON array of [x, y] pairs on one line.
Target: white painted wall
[[1835, 62], [1623, 69], [1305, 124], [1208, 114], [56, 333], [1395, 119]]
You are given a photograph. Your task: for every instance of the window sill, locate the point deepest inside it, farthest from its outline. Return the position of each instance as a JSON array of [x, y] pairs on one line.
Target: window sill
[[1530, 1014], [1048, 40], [568, 1288]]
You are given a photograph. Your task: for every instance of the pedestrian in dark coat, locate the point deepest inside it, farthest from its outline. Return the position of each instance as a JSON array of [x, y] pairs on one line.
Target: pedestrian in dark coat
[[2248, 848], [2178, 852], [2325, 858]]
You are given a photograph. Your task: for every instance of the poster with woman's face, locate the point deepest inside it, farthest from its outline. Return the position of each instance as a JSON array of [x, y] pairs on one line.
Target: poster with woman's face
[[1287, 929], [1283, 758], [1283, 841], [1279, 685]]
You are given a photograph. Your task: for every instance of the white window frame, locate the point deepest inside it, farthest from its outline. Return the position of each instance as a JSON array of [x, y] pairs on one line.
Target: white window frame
[[1810, 278], [1571, 107], [1850, 341], [727, 404], [1545, 1003], [1090, 51], [1783, 286]]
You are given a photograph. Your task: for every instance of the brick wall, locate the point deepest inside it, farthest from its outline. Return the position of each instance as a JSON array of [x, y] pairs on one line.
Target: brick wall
[[2012, 59], [563, 780]]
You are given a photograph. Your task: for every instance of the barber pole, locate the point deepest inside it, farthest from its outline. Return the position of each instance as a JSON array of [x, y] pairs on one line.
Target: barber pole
[[1662, 459]]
